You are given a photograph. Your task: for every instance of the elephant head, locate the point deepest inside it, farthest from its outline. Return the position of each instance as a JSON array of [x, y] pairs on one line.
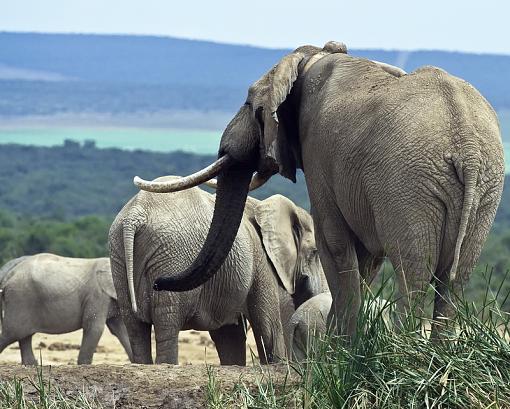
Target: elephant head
[[288, 238], [261, 140]]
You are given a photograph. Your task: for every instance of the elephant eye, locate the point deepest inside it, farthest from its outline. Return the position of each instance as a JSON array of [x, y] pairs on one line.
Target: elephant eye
[[314, 253]]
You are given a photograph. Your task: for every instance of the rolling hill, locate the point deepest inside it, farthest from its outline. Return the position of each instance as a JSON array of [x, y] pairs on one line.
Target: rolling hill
[[44, 74]]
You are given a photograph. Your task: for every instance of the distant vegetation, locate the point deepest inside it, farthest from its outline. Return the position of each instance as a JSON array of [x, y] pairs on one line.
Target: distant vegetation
[[42, 74], [81, 237], [78, 179]]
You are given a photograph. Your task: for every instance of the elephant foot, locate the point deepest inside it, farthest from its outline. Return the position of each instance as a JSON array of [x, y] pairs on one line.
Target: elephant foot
[[29, 362]]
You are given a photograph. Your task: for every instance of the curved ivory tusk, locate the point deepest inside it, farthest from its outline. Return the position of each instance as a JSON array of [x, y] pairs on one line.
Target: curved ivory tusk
[[185, 182], [256, 182], [211, 183], [390, 69]]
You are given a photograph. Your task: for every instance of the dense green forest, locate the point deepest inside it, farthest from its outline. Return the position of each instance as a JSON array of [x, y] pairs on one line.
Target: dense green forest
[[78, 180], [63, 199]]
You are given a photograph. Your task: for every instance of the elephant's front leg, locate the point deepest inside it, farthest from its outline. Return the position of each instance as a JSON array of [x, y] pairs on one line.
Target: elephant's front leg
[[230, 342], [264, 316], [166, 328], [27, 353], [337, 252]]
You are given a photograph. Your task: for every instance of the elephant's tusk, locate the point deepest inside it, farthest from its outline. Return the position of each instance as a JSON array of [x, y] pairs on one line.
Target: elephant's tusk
[[186, 182], [390, 69], [256, 182]]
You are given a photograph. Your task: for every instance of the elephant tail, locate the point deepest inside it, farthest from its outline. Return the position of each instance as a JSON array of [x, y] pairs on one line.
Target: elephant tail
[[129, 231], [469, 176]]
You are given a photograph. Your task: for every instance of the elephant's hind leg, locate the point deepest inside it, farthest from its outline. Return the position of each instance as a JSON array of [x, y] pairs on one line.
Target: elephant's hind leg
[[447, 292], [230, 341], [369, 265], [5, 342], [415, 259], [337, 250], [265, 319], [117, 328], [166, 330], [27, 353], [139, 333]]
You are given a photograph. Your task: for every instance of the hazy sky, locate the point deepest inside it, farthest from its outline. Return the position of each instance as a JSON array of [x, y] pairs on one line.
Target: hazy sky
[[464, 25]]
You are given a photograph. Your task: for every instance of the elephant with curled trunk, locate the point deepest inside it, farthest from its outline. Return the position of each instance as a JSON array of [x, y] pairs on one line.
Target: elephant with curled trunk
[[55, 295], [408, 166], [272, 268]]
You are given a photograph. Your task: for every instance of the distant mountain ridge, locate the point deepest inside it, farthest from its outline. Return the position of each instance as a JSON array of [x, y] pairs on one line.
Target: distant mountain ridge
[[53, 73]]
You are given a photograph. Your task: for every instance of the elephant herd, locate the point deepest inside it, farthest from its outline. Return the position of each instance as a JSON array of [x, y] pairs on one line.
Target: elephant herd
[[407, 167]]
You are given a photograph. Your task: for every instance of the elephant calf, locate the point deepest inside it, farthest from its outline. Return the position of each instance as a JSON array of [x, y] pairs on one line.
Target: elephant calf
[[273, 260], [311, 317], [54, 295]]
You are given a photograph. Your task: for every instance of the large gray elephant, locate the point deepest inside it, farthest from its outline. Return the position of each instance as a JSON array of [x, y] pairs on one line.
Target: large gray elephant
[[408, 166], [54, 295], [272, 268]]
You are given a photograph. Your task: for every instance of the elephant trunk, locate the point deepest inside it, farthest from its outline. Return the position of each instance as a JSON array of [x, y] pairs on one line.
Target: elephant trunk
[[232, 191]]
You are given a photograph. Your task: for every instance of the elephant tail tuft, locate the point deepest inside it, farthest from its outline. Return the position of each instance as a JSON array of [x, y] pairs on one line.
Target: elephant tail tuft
[[129, 231], [468, 175]]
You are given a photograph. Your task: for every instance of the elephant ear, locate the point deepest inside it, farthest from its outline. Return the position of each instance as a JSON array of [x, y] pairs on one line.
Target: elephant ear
[[278, 224], [104, 278], [266, 97]]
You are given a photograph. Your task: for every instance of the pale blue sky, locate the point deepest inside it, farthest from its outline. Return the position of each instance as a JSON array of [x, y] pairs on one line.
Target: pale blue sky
[[476, 26]]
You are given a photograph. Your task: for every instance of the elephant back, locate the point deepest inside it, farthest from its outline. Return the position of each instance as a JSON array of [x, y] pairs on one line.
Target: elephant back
[[8, 268]]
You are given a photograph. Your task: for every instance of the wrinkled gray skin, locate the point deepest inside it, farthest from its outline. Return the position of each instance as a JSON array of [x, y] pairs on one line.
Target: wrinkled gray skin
[[273, 266], [408, 166], [310, 320], [54, 295]]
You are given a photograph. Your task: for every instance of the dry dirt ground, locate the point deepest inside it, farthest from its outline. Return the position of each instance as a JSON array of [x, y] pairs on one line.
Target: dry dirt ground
[[140, 386], [195, 347], [118, 384]]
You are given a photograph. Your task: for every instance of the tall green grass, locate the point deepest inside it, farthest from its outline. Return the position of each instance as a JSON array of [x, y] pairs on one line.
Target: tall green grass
[[385, 368]]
